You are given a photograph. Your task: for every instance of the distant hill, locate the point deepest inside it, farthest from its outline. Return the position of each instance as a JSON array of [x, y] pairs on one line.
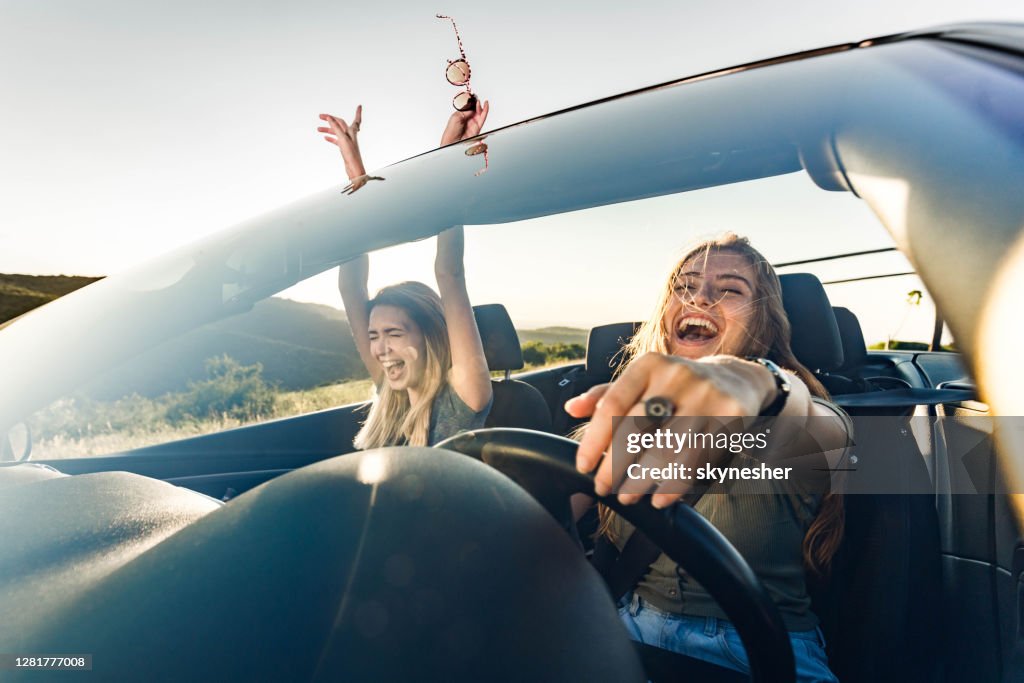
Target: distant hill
[[554, 335], [21, 293], [300, 345]]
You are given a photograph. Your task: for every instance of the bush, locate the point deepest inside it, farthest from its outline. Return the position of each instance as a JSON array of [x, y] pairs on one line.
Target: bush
[[230, 390], [539, 353], [534, 353], [567, 351]]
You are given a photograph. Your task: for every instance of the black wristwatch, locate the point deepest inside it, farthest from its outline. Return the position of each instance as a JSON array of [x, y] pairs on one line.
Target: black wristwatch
[[782, 387]]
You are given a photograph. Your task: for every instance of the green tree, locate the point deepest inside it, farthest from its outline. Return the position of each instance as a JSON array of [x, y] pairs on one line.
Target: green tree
[[539, 353], [568, 351], [230, 390], [534, 353]]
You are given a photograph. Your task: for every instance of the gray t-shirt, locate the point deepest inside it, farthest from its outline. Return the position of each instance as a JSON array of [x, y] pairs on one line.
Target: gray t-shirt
[[450, 415], [766, 521]]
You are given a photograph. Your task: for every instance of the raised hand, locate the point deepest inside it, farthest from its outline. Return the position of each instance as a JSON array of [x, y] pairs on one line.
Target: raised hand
[[345, 137], [465, 124]]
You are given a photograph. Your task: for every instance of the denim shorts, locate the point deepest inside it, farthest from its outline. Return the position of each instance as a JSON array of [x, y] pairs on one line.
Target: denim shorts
[[716, 640]]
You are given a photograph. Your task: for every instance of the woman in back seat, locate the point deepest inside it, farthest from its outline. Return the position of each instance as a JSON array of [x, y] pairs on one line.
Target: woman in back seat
[[714, 348]]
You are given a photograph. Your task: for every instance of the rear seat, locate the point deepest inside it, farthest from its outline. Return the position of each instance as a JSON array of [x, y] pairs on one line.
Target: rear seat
[[604, 355], [846, 379], [860, 393], [850, 378]]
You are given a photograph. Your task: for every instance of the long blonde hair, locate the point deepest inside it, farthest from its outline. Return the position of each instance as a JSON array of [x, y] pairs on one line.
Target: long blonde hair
[[392, 420], [768, 336]]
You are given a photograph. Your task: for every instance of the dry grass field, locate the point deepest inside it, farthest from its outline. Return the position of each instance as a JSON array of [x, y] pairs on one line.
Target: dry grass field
[[105, 440]]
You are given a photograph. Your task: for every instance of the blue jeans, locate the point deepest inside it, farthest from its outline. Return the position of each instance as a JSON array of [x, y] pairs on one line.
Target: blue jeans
[[716, 640]]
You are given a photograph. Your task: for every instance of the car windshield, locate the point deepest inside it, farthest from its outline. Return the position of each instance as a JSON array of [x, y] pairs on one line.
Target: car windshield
[[566, 229], [557, 275]]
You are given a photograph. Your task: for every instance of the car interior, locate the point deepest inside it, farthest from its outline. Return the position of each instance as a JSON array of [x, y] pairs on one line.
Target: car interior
[[878, 608], [927, 585]]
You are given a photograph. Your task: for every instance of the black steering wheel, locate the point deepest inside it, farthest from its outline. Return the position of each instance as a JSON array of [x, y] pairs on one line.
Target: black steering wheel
[[544, 465]]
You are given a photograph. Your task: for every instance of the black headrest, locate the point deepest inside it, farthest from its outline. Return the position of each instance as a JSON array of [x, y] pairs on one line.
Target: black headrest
[[816, 341], [604, 344], [855, 352], [499, 336]]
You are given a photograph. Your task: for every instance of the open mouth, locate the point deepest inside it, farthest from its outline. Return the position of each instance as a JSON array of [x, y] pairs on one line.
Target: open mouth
[[696, 330], [393, 368]]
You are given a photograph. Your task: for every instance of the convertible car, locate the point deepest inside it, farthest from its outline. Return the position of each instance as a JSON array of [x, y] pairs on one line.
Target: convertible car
[[249, 548]]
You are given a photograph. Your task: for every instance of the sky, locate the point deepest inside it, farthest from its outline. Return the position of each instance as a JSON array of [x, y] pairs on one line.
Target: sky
[[131, 128]]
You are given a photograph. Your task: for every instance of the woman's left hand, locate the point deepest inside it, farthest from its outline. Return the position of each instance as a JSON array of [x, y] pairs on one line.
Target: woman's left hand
[[465, 124], [718, 386]]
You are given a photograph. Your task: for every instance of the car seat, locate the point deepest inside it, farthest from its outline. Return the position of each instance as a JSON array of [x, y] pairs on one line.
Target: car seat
[[516, 404], [815, 341], [604, 356], [849, 377], [879, 607], [861, 386]]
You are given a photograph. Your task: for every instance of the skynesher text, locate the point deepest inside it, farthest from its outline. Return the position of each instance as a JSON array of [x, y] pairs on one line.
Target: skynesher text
[[676, 471]]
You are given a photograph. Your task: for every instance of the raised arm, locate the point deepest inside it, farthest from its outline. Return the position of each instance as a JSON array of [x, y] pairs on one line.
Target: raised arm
[[470, 378], [352, 277]]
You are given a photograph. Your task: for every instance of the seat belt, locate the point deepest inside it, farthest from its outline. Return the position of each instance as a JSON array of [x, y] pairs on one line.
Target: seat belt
[[623, 573], [566, 390]]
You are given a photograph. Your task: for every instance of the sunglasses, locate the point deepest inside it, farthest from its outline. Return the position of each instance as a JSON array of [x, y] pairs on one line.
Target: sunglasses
[[458, 72], [479, 148]]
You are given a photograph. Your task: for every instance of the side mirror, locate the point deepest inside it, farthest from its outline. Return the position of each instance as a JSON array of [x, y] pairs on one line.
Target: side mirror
[[17, 444]]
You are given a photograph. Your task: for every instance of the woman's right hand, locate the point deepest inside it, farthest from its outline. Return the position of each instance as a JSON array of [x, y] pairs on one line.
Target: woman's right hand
[[720, 386], [345, 136], [465, 124], [709, 393]]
